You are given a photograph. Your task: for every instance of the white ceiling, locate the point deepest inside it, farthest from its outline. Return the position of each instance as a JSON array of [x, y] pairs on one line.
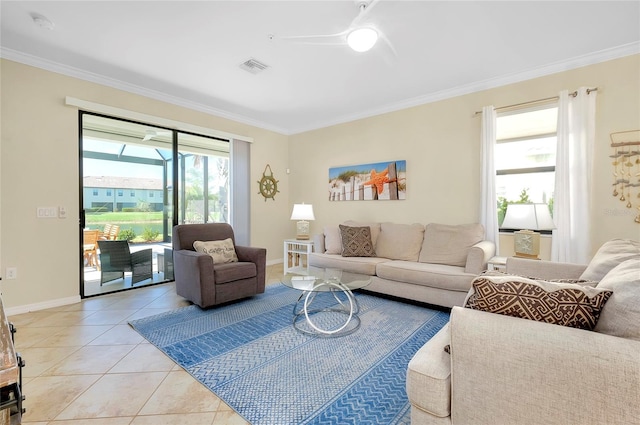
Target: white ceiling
[[189, 52]]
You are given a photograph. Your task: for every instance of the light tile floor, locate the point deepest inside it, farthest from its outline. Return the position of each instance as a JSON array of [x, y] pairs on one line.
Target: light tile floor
[[86, 365]]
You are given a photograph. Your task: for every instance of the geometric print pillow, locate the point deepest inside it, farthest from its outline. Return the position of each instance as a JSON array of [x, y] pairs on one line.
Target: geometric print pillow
[[563, 304], [356, 241]]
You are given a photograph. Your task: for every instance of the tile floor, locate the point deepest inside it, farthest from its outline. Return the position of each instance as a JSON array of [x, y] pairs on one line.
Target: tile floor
[[86, 365]]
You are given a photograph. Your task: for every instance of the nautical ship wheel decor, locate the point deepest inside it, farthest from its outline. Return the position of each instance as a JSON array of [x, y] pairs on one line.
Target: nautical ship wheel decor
[[268, 184]]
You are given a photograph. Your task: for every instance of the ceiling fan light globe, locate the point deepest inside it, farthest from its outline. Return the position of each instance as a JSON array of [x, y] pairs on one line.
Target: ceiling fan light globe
[[362, 39]]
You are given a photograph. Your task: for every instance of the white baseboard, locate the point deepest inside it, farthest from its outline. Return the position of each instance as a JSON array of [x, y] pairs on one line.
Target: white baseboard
[[12, 311], [273, 262]]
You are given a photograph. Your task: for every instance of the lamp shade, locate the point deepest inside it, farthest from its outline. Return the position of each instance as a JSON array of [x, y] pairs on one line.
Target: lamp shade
[[528, 216], [362, 39], [302, 212]]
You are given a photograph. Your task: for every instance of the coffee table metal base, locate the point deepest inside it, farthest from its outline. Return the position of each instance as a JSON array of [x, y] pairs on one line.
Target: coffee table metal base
[[304, 313]]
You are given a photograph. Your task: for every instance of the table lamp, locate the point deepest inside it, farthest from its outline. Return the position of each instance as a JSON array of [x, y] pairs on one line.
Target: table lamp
[[526, 218], [303, 213]]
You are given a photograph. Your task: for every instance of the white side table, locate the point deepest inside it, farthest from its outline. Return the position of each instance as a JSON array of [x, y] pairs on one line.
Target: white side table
[[296, 256], [497, 263]]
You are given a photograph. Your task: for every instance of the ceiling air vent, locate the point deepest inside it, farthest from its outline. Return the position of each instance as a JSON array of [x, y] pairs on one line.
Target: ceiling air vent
[[253, 66]]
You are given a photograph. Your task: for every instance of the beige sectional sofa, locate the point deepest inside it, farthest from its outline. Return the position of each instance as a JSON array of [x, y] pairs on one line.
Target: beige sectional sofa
[[433, 264], [502, 370]]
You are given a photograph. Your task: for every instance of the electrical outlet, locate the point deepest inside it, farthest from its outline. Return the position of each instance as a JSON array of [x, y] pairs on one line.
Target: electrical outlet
[[62, 212], [12, 273]]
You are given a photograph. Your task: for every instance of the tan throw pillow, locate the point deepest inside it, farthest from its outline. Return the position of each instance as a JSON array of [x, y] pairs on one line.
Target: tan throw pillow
[[356, 242], [400, 241], [621, 315], [563, 304], [610, 254], [332, 240], [221, 251], [449, 244]]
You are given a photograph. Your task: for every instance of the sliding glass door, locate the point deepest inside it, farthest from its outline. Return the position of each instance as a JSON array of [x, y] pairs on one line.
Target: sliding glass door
[[203, 179], [130, 202]]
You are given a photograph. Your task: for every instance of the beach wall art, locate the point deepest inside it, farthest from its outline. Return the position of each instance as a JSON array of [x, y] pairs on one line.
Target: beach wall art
[[369, 182]]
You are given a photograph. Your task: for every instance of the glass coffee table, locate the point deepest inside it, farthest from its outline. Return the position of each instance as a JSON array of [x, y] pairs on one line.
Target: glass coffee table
[[326, 306]]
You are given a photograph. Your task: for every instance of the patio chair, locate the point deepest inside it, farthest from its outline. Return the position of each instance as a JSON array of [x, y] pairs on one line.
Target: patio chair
[[206, 283], [116, 259], [110, 232], [90, 247]]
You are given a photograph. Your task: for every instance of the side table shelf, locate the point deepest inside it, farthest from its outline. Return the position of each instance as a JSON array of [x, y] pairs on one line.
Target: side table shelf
[[296, 256]]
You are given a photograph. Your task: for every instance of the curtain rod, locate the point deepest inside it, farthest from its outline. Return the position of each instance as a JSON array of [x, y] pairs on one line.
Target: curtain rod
[[533, 102]]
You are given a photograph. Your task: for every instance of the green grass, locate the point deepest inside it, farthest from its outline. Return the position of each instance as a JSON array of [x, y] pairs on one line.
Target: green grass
[[123, 217]]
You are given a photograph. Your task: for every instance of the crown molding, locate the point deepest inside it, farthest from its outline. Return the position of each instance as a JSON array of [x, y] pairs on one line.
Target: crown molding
[[553, 68], [70, 71]]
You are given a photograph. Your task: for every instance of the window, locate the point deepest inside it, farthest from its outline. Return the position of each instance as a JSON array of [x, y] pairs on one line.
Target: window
[[108, 192], [120, 193], [133, 193], [151, 195], [525, 157], [95, 192]]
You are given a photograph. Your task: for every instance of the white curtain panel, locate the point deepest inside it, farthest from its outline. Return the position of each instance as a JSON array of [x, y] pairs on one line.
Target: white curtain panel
[[489, 205], [572, 197]]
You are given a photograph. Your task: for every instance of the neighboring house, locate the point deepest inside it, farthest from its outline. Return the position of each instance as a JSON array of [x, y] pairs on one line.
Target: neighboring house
[[105, 193]]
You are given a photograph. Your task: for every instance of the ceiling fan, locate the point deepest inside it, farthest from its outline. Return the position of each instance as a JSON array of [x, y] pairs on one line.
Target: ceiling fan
[[150, 134], [360, 35]]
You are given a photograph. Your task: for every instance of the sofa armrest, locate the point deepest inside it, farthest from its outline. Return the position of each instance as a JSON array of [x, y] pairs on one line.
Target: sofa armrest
[[544, 269], [478, 257], [258, 256], [318, 243], [506, 370]]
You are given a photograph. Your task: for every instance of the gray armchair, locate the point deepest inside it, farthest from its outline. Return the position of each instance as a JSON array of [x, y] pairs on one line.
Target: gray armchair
[[205, 283]]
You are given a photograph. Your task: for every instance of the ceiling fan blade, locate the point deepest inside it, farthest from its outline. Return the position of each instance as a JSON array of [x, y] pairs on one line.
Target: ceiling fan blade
[[147, 137], [327, 39]]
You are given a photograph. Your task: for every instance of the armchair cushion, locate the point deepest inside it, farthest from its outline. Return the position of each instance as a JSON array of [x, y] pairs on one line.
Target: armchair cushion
[[221, 251], [566, 304]]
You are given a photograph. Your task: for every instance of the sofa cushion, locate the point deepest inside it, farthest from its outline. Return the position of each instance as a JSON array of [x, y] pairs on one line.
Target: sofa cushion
[[362, 265], [332, 240], [449, 244], [610, 254], [356, 241], [375, 228], [221, 251], [564, 304], [429, 376], [400, 241], [621, 315], [451, 278]]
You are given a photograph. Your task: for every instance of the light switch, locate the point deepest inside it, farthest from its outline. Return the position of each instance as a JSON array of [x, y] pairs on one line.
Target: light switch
[[47, 212], [62, 212]]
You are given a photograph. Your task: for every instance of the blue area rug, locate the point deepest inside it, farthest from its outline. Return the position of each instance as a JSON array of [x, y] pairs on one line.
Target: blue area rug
[[250, 356]]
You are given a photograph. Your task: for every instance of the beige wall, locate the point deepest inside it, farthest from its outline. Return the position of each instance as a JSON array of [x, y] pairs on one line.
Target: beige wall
[[39, 167], [441, 143]]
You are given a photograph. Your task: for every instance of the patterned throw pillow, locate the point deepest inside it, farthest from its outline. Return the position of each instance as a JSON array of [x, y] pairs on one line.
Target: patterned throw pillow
[[356, 242], [563, 304], [221, 251]]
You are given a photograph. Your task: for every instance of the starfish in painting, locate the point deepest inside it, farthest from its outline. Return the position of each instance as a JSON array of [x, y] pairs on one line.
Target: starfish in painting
[[378, 180]]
